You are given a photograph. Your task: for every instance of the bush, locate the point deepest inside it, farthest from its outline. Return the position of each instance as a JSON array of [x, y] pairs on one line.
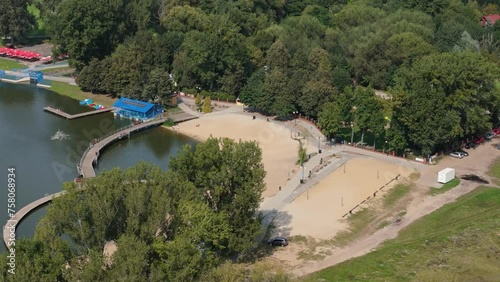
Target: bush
[[169, 122], [207, 105]]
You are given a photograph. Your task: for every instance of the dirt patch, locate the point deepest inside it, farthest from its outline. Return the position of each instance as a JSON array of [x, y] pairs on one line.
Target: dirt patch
[[474, 178]]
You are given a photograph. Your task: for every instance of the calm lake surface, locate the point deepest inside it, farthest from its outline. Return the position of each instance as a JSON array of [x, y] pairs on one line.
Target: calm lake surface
[[42, 164]]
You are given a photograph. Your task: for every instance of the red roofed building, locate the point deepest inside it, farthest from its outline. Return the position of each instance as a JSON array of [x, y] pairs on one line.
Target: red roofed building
[[489, 20]]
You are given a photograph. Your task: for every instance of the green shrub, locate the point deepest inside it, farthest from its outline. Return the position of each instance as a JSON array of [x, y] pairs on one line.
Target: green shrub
[[169, 122]]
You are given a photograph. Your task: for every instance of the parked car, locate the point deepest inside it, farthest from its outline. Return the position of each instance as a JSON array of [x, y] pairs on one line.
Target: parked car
[[463, 152], [361, 144], [470, 145], [278, 241], [496, 131], [490, 135], [457, 155], [479, 139]]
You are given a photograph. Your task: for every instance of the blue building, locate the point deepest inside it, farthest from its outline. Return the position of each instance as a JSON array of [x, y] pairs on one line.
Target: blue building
[[137, 110]]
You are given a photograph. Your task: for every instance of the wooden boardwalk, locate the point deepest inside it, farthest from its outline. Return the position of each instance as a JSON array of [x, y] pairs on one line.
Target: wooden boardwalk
[[70, 116], [86, 168], [90, 156], [11, 225]]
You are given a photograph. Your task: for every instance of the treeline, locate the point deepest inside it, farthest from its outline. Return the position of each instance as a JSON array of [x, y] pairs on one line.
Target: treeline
[[177, 225], [290, 56]]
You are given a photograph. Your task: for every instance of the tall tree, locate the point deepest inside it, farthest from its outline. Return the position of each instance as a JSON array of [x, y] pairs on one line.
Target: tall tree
[[88, 29], [159, 88], [15, 19], [230, 175], [441, 101]]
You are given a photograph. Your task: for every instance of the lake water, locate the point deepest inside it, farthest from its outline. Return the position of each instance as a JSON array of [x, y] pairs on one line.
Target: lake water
[[42, 164]]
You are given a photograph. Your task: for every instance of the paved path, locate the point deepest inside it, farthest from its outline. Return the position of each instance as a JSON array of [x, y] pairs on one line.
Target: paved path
[[55, 65], [70, 116], [188, 110], [68, 80]]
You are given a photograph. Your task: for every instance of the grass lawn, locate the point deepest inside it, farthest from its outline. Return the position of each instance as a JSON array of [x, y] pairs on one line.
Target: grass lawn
[[32, 9], [60, 69], [395, 193], [447, 186], [458, 242], [357, 222], [494, 171], [6, 64], [173, 110], [74, 92]]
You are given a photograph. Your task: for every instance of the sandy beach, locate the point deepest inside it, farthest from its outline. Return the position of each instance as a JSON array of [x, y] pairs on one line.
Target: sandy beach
[[279, 151], [317, 212]]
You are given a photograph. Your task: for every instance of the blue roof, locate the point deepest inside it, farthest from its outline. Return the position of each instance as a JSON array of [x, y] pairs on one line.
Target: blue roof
[[133, 105]]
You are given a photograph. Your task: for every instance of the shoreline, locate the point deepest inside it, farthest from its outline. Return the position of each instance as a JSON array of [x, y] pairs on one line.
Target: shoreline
[[192, 136]]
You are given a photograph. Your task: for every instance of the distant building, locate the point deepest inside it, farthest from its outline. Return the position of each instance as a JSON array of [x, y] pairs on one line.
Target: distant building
[[489, 20], [136, 110]]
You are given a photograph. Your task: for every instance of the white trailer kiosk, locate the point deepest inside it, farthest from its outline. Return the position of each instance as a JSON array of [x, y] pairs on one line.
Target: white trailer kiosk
[[446, 175]]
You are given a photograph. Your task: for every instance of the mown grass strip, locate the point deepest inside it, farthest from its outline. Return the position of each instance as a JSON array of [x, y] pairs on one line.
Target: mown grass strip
[[446, 187]]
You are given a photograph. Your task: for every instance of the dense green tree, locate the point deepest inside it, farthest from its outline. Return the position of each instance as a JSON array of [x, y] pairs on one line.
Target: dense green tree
[[341, 78], [159, 87], [336, 114], [130, 262], [277, 56], [314, 94], [36, 261], [89, 29], [276, 99], [90, 269], [91, 76], [443, 101], [184, 19], [15, 19], [368, 111], [230, 176], [254, 89]]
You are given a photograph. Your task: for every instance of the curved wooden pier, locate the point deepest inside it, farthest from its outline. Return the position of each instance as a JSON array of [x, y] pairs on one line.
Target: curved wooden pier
[[85, 168], [11, 225], [90, 156]]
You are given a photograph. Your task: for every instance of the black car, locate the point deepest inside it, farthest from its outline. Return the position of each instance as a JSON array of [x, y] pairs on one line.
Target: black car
[[278, 241], [470, 145]]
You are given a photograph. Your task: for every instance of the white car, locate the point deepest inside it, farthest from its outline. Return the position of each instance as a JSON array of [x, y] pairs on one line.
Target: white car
[[458, 155]]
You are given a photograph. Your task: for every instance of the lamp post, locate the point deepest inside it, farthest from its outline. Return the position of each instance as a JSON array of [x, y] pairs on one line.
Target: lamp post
[[295, 113], [385, 146], [352, 132], [319, 143], [302, 180]]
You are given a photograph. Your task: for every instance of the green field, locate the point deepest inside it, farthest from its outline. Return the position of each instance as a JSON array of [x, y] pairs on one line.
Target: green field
[[447, 186], [76, 93], [396, 193], [494, 171], [41, 25], [458, 242], [10, 64]]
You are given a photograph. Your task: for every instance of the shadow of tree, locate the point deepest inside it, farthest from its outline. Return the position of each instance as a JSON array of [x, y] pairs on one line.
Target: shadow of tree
[[275, 223]]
